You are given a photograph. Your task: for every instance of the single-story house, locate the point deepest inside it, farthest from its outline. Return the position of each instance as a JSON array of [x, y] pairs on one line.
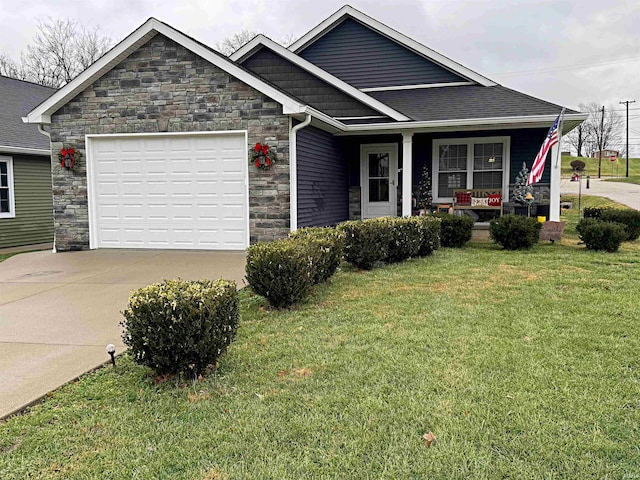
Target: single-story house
[[26, 207], [606, 154], [172, 134]]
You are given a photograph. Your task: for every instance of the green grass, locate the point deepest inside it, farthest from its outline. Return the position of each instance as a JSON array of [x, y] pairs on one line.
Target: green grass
[[4, 256], [523, 365], [634, 179], [619, 167]]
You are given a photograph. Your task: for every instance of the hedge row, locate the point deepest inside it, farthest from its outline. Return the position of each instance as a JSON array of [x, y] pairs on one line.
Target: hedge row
[[389, 239]]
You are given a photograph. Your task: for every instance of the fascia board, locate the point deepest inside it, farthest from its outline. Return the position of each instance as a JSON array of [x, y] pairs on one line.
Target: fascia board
[[341, 85], [394, 35], [41, 114], [504, 122]]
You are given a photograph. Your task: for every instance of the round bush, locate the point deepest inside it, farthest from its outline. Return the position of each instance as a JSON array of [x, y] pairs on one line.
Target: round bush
[[515, 232], [281, 271], [599, 235], [366, 242], [455, 230], [181, 326], [327, 244]]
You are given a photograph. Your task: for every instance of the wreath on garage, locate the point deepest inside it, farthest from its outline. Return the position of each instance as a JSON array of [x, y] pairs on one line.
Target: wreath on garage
[[69, 159], [263, 156]]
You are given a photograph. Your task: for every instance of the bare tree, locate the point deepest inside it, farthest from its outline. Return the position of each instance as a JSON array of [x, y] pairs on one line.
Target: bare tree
[[237, 40], [602, 133], [577, 138], [60, 51]]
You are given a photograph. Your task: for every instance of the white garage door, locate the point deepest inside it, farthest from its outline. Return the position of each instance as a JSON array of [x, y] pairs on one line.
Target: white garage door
[[180, 191]]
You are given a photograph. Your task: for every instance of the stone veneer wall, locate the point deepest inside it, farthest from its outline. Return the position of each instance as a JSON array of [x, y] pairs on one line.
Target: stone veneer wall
[[163, 87]]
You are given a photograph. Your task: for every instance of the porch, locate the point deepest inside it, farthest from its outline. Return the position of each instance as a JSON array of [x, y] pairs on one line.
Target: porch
[[351, 177]]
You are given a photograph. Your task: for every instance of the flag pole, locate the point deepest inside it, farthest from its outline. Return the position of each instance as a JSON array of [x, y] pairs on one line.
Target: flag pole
[[559, 155]]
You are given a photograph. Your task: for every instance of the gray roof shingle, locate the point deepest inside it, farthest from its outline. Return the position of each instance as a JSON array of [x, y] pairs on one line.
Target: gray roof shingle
[[465, 102], [17, 98]]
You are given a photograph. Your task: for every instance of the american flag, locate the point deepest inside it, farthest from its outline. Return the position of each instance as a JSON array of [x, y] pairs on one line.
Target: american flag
[[538, 163]]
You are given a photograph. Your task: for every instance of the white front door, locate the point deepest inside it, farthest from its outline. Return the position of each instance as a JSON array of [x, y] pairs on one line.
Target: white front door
[[379, 179]]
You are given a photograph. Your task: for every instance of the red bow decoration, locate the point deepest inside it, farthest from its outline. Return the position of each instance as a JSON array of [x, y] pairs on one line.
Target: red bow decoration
[[66, 160]]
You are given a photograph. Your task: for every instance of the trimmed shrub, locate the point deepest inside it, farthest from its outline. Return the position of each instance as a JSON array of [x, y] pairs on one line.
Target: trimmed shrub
[[455, 229], [366, 241], [599, 235], [515, 232], [592, 212], [281, 271], [405, 239], [429, 233], [629, 218], [181, 326], [327, 245], [578, 165]]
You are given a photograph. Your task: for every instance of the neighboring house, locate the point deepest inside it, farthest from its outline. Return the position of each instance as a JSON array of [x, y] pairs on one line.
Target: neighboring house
[[353, 109], [26, 208], [606, 154]]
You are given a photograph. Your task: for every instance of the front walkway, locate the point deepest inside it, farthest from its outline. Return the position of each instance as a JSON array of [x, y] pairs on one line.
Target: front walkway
[[59, 311], [625, 193]]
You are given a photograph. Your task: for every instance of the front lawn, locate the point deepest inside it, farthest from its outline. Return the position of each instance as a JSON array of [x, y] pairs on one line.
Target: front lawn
[[591, 166], [522, 364]]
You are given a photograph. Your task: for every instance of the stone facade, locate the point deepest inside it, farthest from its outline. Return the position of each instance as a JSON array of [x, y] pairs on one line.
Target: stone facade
[[163, 87]]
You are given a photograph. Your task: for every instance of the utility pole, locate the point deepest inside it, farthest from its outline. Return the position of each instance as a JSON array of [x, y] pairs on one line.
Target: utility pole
[[600, 143], [627, 102]]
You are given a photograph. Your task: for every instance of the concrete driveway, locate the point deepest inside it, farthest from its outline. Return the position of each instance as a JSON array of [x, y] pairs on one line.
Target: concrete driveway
[[58, 311], [625, 193]]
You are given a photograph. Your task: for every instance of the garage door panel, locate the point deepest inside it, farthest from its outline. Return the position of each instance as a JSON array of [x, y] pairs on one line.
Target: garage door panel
[[176, 192]]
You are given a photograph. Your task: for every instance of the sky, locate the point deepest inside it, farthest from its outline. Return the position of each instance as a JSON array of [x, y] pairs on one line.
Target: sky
[[564, 51]]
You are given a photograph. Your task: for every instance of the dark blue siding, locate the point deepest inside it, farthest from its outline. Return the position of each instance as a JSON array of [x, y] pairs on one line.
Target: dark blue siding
[[525, 144], [305, 86], [365, 58], [323, 182]]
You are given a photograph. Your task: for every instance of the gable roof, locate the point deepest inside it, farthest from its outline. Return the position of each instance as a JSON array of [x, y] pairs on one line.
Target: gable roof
[[244, 54], [42, 113], [348, 12], [17, 98]]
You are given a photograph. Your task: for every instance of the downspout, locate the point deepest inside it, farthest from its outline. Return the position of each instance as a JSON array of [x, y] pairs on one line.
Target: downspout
[[293, 173], [48, 135]]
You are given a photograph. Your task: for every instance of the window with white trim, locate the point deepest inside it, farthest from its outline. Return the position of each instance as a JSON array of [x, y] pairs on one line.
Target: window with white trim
[[7, 207], [470, 163]]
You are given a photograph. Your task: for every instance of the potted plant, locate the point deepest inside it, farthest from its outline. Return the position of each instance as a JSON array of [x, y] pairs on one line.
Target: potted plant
[[522, 193]]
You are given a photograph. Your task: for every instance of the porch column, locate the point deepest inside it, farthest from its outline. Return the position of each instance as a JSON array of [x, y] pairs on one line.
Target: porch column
[[554, 204], [407, 172]]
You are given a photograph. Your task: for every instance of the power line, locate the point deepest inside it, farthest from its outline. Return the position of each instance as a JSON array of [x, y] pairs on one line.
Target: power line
[[564, 67]]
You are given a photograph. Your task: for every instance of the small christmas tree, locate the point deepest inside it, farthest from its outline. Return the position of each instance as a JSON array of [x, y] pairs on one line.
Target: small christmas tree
[[521, 189], [424, 190]]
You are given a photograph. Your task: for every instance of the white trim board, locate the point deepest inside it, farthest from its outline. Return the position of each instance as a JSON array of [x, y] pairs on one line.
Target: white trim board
[[261, 41], [11, 187], [42, 113], [348, 11], [416, 87], [26, 151]]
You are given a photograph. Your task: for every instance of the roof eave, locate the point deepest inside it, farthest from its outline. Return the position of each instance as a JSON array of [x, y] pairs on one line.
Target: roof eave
[[42, 113], [531, 121]]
